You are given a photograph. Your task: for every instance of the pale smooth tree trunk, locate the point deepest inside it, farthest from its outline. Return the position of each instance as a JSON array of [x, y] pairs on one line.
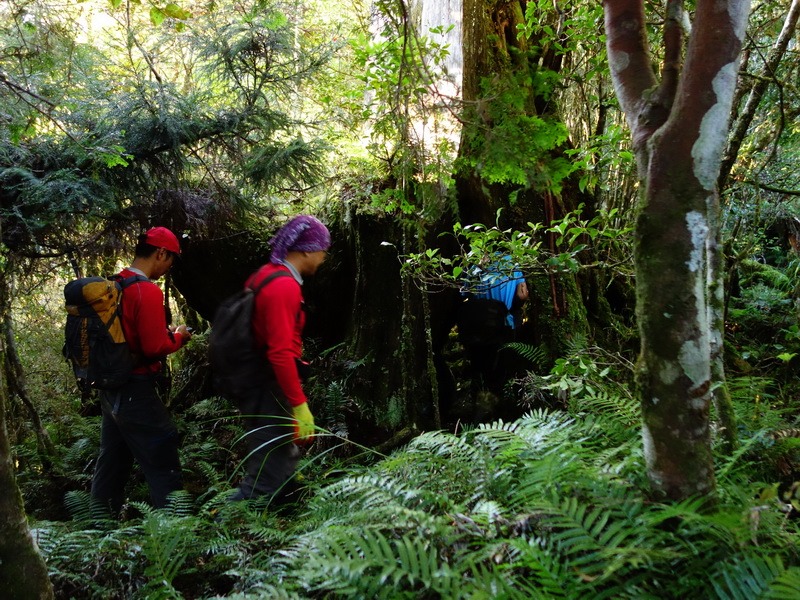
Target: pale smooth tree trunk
[[679, 125]]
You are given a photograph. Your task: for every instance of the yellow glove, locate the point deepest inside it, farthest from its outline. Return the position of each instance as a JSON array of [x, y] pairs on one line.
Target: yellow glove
[[303, 423]]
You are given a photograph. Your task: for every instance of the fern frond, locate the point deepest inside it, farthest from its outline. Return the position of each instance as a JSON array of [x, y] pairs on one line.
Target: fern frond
[[626, 409], [180, 504], [536, 355], [597, 542], [729, 461], [209, 408], [576, 344], [538, 479], [81, 449], [747, 577], [168, 542], [785, 586], [545, 575], [744, 390], [548, 421], [367, 563], [442, 444], [497, 436], [79, 506], [368, 490], [623, 462], [261, 590]]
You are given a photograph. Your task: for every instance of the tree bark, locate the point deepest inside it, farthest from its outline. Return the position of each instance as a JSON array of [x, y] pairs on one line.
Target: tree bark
[[500, 72], [678, 126], [386, 341], [24, 574]]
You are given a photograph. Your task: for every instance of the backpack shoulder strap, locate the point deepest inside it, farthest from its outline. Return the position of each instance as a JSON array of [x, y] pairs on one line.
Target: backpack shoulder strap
[[127, 281], [123, 283], [267, 279]]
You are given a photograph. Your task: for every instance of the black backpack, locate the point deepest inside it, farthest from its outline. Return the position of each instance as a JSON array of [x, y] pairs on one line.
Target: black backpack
[[94, 341], [482, 321], [237, 364]]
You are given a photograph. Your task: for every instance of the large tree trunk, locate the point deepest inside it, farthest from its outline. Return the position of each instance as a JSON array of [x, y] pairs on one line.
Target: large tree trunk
[[24, 574], [386, 341], [678, 128], [501, 71]]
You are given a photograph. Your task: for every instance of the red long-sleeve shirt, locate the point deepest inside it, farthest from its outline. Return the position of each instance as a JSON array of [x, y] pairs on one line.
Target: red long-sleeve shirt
[[145, 324], [278, 320]]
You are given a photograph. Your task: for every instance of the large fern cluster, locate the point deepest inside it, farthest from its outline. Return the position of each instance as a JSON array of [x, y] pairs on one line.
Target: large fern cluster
[[552, 505], [546, 507]]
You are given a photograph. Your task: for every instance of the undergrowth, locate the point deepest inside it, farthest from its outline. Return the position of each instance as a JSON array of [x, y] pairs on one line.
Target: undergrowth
[[552, 505]]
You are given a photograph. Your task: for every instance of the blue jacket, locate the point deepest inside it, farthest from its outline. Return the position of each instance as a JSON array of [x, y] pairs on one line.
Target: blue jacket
[[494, 284]]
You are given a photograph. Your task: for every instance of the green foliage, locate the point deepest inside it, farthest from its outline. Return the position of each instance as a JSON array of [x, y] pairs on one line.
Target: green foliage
[[763, 327], [573, 234], [409, 120], [167, 544], [589, 372], [159, 13], [510, 145], [418, 529], [553, 505], [164, 554], [208, 103]]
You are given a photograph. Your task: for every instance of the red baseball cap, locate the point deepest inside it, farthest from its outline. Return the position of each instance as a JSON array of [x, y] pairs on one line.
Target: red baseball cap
[[161, 237]]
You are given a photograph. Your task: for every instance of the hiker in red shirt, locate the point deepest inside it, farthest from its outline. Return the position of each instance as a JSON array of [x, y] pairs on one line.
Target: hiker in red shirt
[[276, 414], [136, 424]]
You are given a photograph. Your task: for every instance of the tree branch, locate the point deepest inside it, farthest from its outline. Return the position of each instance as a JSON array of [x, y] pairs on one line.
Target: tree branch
[[757, 93], [630, 64], [18, 89], [770, 188], [673, 51]]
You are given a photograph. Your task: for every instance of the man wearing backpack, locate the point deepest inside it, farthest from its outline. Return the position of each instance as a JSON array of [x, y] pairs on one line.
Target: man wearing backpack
[[489, 317], [275, 411], [136, 424]]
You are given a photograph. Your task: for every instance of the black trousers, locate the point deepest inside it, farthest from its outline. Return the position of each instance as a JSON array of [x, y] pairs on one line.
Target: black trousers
[[272, 455], [489, 360], [136, 426]]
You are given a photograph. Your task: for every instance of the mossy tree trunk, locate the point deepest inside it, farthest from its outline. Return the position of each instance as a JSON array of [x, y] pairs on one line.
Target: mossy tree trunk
[[510, 122], [24, 574], [387, 335], [678, 126]]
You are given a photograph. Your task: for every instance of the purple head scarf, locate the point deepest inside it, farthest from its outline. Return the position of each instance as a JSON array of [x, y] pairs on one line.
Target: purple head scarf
[[303, 233]]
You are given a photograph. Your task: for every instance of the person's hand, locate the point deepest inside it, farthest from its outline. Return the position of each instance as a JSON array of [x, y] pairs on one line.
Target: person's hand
[[522, 291], [303, 423], [186, 333]]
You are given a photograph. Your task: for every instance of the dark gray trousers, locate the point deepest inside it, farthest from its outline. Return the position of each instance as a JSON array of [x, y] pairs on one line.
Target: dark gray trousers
[[272, 455], [136, 426]]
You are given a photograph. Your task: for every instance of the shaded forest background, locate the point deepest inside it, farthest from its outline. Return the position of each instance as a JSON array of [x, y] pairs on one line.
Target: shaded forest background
[[428, 138]]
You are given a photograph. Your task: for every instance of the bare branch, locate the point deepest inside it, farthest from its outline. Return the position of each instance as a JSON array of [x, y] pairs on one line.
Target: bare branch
[[757, 93]]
